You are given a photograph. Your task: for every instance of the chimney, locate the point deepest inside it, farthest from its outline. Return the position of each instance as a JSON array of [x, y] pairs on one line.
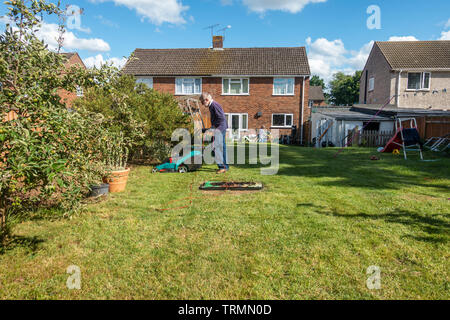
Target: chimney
[[217, 42]]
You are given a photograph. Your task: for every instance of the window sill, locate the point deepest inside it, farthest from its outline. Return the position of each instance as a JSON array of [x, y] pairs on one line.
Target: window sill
[[187, 94], [418, 90], [274, 127], [283, 95], [228, 94]]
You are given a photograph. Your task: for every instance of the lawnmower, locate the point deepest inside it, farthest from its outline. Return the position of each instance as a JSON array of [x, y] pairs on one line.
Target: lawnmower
[[180, 164]]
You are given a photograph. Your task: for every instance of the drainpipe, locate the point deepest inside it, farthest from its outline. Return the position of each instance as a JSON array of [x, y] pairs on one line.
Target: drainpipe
[[398, 87], [303, 108]]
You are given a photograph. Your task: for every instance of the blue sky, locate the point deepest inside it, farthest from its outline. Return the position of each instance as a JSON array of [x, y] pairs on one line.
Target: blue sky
[[334, 31]]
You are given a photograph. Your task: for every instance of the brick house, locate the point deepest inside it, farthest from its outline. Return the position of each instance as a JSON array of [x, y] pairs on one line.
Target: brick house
[[316, 97], [72, 59], [256, 86], [417, 73], [66, 96]]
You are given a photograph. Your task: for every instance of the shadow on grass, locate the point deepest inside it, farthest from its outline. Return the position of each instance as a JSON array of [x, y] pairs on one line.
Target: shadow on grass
[[354, 168], [435, 226], [30, 244]]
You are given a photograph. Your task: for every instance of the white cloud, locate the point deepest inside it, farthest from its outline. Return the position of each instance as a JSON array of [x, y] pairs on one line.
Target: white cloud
[[447, 24], [326, 57], [445, 35], [292, 6], [98, 60], [49, 33], [403, 38], [156, 11]]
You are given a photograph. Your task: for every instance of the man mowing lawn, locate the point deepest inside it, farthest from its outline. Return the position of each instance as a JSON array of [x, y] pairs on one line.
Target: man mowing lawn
[[218, 122]]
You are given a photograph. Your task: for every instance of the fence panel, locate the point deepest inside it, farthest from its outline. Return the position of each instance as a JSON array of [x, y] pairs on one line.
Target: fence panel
[[375, 138]]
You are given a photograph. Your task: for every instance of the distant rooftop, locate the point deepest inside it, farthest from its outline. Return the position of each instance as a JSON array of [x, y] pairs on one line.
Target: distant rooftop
[[410, 55], [316, 93], [291, 61]]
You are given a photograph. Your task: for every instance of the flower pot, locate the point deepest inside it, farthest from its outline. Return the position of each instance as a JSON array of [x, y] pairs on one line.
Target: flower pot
[[117, 180], [99, 190]]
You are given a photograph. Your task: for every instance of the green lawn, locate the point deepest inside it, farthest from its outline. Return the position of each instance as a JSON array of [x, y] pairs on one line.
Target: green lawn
[[311, 234]]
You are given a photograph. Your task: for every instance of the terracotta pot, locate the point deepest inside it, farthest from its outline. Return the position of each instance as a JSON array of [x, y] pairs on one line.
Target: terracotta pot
[[117, 180]]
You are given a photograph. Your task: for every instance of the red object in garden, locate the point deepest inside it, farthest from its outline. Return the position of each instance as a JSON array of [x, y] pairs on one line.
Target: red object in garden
[[394, 143]]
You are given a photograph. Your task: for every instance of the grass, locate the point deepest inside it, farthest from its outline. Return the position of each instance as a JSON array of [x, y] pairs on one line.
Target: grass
[[311, 234]]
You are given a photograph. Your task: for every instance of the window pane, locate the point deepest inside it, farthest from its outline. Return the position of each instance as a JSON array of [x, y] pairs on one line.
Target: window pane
[[226, 84], [244, 122], [235, 88], [245, 85], [290, 88], [147, 81], [278, 120], [414, 81], [198, 84], [426, 81], [178, 86], [289, 120]]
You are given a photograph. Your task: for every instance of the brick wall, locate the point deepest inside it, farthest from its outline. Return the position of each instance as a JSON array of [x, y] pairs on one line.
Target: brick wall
[[66, 96], [378, 68], [260, 99]]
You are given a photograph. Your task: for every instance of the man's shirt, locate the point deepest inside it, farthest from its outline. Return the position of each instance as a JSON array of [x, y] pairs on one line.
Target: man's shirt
[[218, 118]]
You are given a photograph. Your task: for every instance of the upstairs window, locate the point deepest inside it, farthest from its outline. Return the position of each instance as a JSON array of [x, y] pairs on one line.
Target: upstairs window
[[419, 80], [235, 86], [188, 86], [371, 84], [283, 86], [147, 81], [80, 92]]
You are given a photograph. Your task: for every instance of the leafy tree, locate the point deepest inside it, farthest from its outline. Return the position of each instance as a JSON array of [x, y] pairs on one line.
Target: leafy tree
[[345, 88], [317, 81], [47, 152], [146, 117]]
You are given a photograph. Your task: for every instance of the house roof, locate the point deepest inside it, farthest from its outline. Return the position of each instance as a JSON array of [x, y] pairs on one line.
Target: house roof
[[316, 93], [347, 113], [67, 55], [416, 55], [230, 61]]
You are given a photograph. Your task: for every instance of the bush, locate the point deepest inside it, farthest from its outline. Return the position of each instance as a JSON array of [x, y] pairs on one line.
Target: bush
[[48, 154], [146, 118]]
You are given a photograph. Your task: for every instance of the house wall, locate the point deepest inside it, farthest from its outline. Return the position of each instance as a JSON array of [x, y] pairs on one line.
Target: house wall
[[260, 99], [435, 98], [378, 68], [68, 97]]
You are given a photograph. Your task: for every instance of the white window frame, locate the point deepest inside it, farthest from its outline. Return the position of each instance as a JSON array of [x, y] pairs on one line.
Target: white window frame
[[422, 82], [142, 80], [287, 83], [182, 93], [79, 91], [371, 84], [241, 81], [229, 122], [283, 114]]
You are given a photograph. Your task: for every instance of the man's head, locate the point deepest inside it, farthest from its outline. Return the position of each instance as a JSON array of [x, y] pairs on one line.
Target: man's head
[[205, 99]]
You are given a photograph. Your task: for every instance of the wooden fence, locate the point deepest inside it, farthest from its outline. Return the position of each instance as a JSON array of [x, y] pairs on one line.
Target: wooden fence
[[375, 138]]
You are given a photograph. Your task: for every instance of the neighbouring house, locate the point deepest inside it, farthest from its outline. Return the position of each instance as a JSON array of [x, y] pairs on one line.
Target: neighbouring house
[[66, 96], [416, 73], [316, 97], [256, 86], [72, 59]]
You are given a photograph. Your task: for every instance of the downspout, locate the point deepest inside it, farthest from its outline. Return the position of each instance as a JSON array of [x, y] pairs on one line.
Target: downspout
[[303, 108], [398, 87]]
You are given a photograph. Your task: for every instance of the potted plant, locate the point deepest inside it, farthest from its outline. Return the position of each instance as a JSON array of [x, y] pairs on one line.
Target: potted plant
[[116, 163]]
